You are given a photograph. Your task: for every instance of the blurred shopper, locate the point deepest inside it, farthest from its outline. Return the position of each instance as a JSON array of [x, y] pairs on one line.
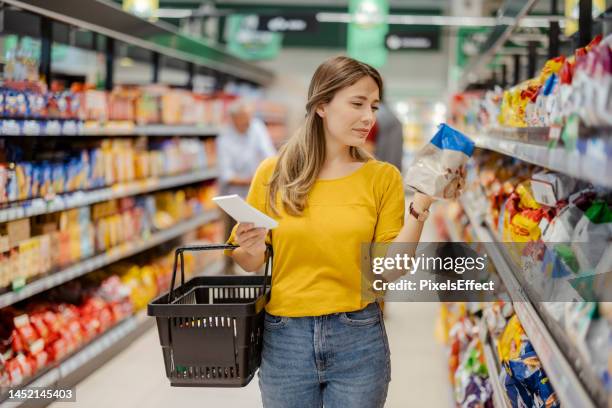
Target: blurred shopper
[[389, 137], [386, 138], [241, 147]]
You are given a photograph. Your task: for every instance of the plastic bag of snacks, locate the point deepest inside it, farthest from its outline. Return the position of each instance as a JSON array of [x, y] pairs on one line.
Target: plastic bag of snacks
[[438, 168], [526, 383]]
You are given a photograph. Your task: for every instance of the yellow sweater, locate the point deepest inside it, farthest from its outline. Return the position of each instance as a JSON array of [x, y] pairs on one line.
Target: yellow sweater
[[317, 267]]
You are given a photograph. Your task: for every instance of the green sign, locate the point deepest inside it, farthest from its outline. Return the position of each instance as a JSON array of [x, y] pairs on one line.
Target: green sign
[[367, 31], [244, 41]]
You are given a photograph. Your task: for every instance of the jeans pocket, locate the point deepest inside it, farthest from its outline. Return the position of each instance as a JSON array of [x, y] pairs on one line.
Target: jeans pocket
[[273, 322], [367, 316]]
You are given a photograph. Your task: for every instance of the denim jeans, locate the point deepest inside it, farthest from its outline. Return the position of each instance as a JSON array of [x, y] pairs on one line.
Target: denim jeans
[[339, 360]]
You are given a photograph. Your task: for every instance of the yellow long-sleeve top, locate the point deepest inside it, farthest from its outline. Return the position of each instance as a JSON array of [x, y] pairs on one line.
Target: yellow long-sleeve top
[[317, 268]]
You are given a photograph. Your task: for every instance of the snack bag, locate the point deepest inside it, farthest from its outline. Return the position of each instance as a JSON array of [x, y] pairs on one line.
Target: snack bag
[[592, 235], [438, 168]]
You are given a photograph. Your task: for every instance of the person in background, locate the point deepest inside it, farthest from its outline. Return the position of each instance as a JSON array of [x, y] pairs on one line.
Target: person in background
[[241, 147], [387, 137]]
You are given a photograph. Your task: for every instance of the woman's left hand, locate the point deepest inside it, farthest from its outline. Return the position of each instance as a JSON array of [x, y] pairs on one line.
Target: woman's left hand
[[422, 201]]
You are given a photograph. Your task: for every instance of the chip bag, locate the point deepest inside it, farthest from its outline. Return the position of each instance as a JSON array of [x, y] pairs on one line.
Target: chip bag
[[438, 168]]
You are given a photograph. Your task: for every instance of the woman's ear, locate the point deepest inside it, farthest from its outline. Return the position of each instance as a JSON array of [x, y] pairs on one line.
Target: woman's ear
[[321, 110]]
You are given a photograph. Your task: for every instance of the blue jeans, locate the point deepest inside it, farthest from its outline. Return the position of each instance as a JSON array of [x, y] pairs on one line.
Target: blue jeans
[[339, 360]]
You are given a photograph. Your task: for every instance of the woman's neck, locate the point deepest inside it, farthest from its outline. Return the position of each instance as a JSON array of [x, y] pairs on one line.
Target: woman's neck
[[337, 153]]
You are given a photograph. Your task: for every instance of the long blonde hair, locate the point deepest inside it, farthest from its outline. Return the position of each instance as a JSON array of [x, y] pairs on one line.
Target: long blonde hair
[[301, 158]]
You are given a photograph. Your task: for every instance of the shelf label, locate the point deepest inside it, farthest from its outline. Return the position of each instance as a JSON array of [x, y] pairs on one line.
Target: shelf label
[[18, 283], [554, 135]]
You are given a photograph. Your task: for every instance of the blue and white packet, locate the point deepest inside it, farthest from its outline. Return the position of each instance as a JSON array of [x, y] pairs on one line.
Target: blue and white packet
[[438, 168]]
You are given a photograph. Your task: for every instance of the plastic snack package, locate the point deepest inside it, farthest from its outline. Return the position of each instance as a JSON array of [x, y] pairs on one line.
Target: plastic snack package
[[437, 169], [592, 235], [548, 188]]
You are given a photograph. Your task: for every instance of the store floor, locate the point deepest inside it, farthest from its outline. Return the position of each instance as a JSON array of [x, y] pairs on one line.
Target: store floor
[[136, 378]]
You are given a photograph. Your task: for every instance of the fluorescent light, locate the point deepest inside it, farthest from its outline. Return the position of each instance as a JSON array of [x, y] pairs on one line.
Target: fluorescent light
[[173, 13], [449, 21]]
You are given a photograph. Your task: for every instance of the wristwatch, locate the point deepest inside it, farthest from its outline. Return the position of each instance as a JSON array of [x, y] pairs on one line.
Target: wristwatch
[[421, 217]]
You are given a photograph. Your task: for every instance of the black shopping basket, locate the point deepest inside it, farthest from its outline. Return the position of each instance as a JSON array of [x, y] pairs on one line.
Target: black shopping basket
[[211, 327]]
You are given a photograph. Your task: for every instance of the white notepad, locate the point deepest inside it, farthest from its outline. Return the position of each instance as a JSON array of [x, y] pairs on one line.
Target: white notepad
[[242, 212]]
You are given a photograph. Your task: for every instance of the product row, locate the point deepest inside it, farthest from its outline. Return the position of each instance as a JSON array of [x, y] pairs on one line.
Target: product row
[[34, 246], [465, 327], [566, 89], [141, 105], [526, 204], [107, 162], [49, 327], [556, 233]]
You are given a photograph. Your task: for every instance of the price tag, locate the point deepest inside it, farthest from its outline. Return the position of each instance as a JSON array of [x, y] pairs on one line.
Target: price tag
[[571, 131], [18, 283], [554, 135], [69, 128], [10, 128], [31, 128], [53, 128]]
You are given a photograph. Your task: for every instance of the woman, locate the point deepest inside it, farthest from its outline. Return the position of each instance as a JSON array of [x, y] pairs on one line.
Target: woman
[[323, 343]]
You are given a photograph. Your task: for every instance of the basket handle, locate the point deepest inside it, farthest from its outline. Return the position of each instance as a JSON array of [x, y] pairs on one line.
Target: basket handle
[[178, 257]]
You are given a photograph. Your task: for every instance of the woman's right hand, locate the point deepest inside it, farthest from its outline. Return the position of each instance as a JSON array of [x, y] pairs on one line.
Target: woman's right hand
[[251, 239]]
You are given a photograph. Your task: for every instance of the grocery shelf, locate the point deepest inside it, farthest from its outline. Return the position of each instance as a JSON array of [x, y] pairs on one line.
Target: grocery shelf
[[70, 128], [511, 10], [99, 350], [586, 167], [109, 19], [499, 392], [98, 261], [566, 382], [38, 206]]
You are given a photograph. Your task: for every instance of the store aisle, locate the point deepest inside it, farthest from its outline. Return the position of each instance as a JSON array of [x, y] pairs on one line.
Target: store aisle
[[419, 374], [136, 377]]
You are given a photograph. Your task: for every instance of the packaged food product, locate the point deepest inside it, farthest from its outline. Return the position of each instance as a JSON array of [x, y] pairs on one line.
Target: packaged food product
[[438, 168], [594, 228], [548, 188]]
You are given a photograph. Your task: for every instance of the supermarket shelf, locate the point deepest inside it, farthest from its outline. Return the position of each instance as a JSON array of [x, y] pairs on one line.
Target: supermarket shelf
[[567, 385], [499, 392], [70, 128], [63, 202], [155, 130], [516, 9], [589, 168], [96, 262], [88, 358], [84, 361], [109, 19]]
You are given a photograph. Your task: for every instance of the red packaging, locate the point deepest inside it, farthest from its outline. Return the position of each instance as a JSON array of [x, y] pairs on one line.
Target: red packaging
[[74, 328], [26, 331], [42, 359], [15, 373], [17, 344], [58, 349], [5, 379], [54, 325], [39, 325], [106, 319], [26, 366]]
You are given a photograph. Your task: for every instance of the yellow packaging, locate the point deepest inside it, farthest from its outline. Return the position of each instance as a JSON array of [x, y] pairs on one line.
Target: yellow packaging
[[75, 242], [3, 272], [509, 344], [45, 253], [527, 200]]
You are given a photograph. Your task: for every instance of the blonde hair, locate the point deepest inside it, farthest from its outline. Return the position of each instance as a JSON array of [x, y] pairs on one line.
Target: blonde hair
[[302, 157]]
